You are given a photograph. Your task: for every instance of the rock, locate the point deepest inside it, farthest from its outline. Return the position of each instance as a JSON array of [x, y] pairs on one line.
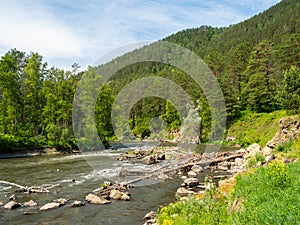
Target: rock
[[51, 205], [150, 215], [161, 157], [179, 173], [197, 169], [183, 192], [148, 160], [184, 177], [77, 204], [191, 174], [125, 197], [13, 198], [2, 203], [28, 213], [115, 194], [151, 222], [118, 195], [269, 158], [224, 168], [61, 201], [12, 205], [238, 161], [30, 203], [191, 182], [94, 199]]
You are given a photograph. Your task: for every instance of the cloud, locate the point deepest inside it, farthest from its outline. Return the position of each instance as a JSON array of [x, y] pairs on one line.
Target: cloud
[[83, 31], [30, 28]]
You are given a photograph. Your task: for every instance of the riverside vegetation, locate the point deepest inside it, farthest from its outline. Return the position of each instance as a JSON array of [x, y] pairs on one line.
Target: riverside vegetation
[[257, 64]]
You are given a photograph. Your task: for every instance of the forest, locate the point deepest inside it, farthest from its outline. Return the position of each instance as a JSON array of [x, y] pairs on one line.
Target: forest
[[256, 62]]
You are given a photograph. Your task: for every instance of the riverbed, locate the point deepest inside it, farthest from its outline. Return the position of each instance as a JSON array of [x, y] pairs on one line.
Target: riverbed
[[78, 175]]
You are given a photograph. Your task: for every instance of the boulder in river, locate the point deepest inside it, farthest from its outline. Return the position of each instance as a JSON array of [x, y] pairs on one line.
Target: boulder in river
[[118, 195], [2, 203], [51, 205], [61, 201], [149, 160], [77, 204], [191, 182], [94, 199], [30, 203], [12, 205], [191, 174], [183, 192], [150, 215]]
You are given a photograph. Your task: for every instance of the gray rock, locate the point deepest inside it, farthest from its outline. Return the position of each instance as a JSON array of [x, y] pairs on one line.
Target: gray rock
[[94, 199], [150, 215], [77, 204], [118, 195], [197, 169], [191, 182], [191, 174], [2, 203], [12, 205], [148, 160], [61, 201], [30, 203], [51, 205], [183, 192]]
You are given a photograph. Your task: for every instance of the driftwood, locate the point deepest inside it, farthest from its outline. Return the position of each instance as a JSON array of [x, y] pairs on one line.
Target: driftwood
[[31, 189], [218, 160]]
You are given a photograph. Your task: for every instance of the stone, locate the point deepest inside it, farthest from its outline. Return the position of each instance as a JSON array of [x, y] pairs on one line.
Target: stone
[[161, 157], [238, 161], [149, 160], [197, 169], [94, 199], [269, 158], [184, 177], [30, 203], [191, 182], [224, 168], [51, 205], [13, 198], [183, 192], [191, 174], [125, 197], [77, 204], [61, 201], [2, 203], [12, 205], [150, 215], [115, 194]]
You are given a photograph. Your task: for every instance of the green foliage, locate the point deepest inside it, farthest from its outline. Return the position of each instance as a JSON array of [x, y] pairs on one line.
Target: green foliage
[[258, 158], [269, 195], [255, 128]]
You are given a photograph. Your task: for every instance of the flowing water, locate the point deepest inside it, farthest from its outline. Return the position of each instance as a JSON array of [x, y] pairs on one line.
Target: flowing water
[[62, 169]]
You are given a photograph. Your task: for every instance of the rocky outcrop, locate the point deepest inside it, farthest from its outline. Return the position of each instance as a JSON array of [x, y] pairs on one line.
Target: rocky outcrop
[[118, 195], [289, 129]]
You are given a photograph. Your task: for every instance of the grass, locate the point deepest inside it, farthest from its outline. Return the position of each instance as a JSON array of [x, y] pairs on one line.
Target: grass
[[267, 195], [255, 128], [290, 149]]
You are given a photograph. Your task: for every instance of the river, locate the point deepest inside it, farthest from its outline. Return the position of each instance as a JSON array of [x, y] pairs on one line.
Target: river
[[62, 169]]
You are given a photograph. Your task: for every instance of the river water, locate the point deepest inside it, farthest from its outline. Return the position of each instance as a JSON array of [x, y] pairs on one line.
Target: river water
[[62, 169]]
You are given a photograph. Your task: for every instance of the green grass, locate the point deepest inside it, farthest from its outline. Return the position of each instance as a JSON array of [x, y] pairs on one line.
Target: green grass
[[269, 195], [255, 128], [290, 149]]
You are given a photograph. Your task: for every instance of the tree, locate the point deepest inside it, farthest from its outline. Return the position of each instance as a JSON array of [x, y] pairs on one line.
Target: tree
[[291, 90]]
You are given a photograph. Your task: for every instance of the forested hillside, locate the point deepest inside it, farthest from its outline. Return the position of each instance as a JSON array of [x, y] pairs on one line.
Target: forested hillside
[[257, 63]]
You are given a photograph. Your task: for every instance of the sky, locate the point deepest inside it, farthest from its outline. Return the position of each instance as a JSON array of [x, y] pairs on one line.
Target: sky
[[69, 31]]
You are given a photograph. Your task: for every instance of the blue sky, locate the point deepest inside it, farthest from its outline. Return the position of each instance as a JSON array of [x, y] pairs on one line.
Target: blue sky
[[71, 31]]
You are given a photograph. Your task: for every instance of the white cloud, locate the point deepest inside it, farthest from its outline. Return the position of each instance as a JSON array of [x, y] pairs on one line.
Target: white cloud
[[82, 31], [30, 28]]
